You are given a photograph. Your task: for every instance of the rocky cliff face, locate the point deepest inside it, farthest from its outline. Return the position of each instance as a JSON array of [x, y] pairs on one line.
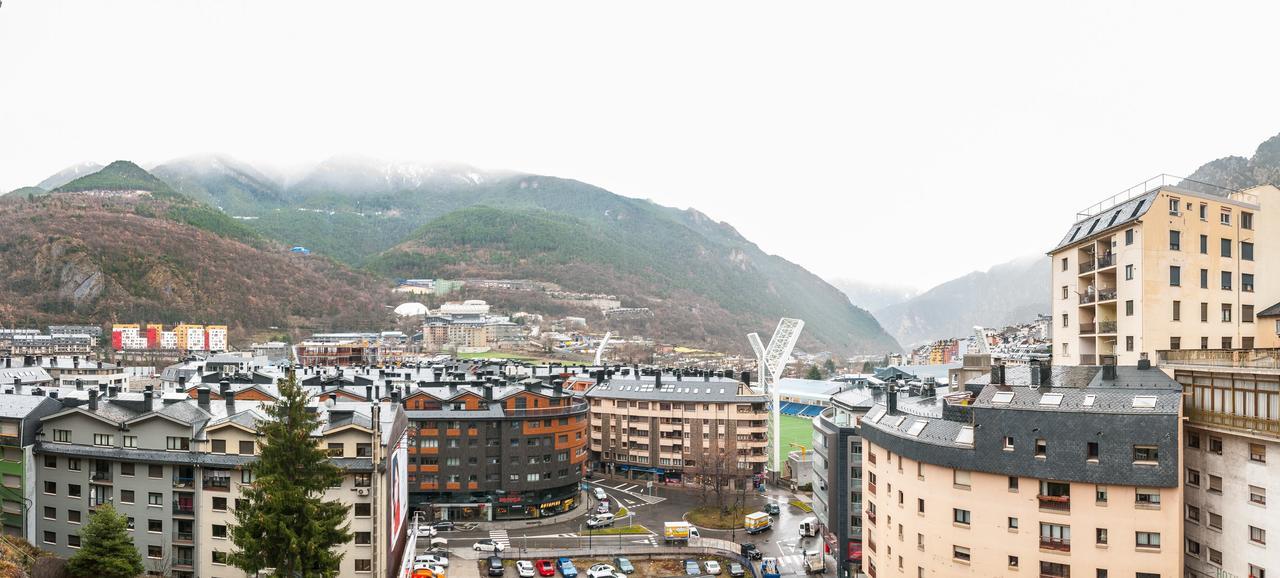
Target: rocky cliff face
[[1237, 172], [67, 270]]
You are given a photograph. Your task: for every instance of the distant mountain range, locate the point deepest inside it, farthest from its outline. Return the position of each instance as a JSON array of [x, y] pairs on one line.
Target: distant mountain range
[[706, 285], [1236, 172], [1009, 293], [872, 296]]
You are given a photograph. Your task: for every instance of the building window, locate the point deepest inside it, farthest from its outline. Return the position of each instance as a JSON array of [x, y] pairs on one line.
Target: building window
[[1148, 539], [1204, 212], [155, 552], [1042, 448], [1147, 497], [73, 490], [102, 439], [1204, 244], [1225, 217], [1258, 495], [155, 526], [218, 558], [1008, 443], [1204, 278], [960, 516], [129, 441], [1175, 240], [1215, 484], [959, 478], [1258, 453], [364, 565], [1100, 536], [155, 471], [960, 553], [919, 505], [1128, 308], [1215, 445], [50, 537], [62, 436], [219, 531], [1128, 272], [363, 509], [1174, 205], [1064, 320], [1193, 514], [1257, 535], [73, 464], [1246, 282], [51, 488], [1226, 280], [1193, 440], [219, 446], [1100, 494], [1246, 251], [1175, 276], [1128, 343], [1013, 561], [1146, 454], [1128, 236], [1175, 343], [1193, 478], [1064, 263], [1226, 343], [1091, 451], [1246, 316], [246, 448], [126, 496], [178, 443], [364, 538], [1226, 315], [219, 504], [1204, 312], [1013, 523], [363, 479], [1177, 310]]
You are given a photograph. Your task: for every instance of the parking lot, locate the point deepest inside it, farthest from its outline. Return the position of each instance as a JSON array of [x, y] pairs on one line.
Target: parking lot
[[656, 567]]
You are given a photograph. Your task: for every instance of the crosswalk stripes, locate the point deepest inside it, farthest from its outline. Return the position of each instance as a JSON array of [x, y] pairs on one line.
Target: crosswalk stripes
[[500, 537]]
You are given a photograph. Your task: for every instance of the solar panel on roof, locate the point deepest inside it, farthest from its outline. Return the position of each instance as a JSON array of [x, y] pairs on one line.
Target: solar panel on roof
[[1144, 401]]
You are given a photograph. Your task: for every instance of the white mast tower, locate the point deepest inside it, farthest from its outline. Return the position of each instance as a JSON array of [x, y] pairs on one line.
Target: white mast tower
[[770, 363]]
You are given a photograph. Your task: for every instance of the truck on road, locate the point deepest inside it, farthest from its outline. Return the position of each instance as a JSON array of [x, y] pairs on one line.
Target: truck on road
[[756, 522], [769, 568], [814, 562], [678, 532]]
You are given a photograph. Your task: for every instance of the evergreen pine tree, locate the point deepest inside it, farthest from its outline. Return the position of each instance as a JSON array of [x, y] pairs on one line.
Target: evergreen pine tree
[[814, 373], [106, 549], [284, 522]]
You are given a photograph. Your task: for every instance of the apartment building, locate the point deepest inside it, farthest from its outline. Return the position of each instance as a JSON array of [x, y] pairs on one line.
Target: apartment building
[[175, 466], [678, 428], [1232, 452], [487, 449], [1031, 470], [1163, 267], [20, 414], [837, 470]]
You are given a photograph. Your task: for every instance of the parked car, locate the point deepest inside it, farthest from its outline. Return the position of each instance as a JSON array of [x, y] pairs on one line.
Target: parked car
[[545, 568], [600, 571], [736, 570], [772, 508], [445, 526], [495, 566], [524, 568], [600, 520], [603, 508], [750, 552], [600, 495], [691, 568], [566, 568], [435, 559], [624, 565], [712, 567], [427, 531], [488, 545]]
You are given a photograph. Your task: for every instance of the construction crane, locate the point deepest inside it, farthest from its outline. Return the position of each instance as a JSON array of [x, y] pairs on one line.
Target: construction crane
[[803, 450], [600, 350], [771, 362]]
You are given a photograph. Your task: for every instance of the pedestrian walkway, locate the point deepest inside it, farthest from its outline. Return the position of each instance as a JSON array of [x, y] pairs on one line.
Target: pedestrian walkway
[[500, 537]]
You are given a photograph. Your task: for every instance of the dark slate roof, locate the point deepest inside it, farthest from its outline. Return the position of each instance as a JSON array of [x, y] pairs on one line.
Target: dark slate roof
[[178, 458], [1118, 216], [715, 390], [18, 406], [1272, 311]]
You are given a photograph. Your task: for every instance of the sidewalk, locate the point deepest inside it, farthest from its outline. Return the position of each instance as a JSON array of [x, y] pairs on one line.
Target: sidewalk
[[579, 510]]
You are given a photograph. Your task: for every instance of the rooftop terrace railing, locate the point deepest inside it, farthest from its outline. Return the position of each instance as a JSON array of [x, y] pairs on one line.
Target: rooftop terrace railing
[[1242, 358], [1156, 182]]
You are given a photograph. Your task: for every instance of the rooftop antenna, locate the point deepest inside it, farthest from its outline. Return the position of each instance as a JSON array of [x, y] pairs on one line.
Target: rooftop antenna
[[600, 350], [771, 362]]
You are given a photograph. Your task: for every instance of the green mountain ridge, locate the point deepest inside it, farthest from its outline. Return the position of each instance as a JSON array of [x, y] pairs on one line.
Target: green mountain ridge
[[706, 283]]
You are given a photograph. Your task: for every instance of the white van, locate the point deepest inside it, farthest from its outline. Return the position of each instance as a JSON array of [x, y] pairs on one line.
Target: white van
[[600, 521], [600, 495]]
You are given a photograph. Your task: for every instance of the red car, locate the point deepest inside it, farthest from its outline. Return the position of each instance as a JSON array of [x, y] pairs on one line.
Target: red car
[[545, 568]]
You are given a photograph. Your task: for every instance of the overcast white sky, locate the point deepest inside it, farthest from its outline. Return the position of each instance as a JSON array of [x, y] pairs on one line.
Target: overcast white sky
[[903, 142]]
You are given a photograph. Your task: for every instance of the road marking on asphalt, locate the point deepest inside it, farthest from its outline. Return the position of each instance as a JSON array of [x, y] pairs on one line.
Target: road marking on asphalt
[[501, 537]]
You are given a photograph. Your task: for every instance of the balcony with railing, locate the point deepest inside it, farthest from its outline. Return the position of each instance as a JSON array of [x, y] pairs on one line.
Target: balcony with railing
[[1105, 261], [183, 537], [1105, 295], [1088, 328], [219, 483], [100, 477], [1087, 266], [1088, 359], [1088, 297], [1055, 503], [1055, 544], [570, 409], [1235, 358], [184, 507], [1106, 327]]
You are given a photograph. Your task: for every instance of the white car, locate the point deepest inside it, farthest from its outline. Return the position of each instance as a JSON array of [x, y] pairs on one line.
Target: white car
[[600, 571], [427, 531], [525, 569], [712, 567], [488, 546], [432, 559]]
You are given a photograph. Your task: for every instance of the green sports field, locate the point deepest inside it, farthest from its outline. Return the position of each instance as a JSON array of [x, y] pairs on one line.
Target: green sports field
[[795, 430]]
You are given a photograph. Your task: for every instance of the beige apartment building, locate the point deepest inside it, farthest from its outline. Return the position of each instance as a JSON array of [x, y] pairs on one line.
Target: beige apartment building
[[679, 429], [1069, 471], [1164, 267]]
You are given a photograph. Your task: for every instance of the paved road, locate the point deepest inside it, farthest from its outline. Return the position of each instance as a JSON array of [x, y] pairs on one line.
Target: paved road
[[652, 510]]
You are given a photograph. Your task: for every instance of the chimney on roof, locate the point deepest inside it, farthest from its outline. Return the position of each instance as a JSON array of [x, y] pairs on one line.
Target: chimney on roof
[[657, 378], [997, 374], [202, 397], [1035, 373], [679, 375], [599, 375], [333, 399], [113, 390], [395, 395], [8, 362], [1109, 371], [93, 400], [102, 388], [75, 361], [488, 392], [746, 377], [224, 386], [728, 373], [891, 398], [1144, 362], [557, 387], [230, 398], [368, 392], [53, 393], [146, 398]]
